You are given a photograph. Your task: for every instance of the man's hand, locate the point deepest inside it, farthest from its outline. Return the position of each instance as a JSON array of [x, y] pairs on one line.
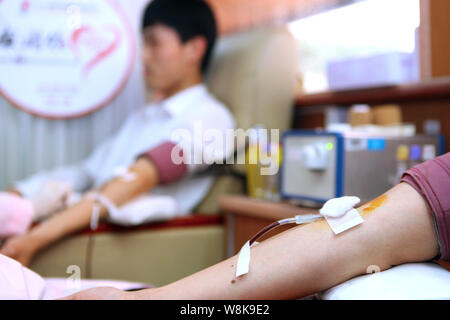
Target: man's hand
[[14, 191], [21, 248], [101, 293]]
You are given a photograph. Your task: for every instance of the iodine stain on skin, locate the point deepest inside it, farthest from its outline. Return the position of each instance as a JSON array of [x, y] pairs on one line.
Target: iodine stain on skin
[[370, 207], [365, 211], [319, 225]]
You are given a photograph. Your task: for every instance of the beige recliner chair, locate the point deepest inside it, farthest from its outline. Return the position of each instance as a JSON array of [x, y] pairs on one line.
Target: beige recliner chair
[[253, 73]]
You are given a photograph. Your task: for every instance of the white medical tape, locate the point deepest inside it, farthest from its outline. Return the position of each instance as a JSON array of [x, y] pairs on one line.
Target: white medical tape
[[95, 214], [243, 263], [339, 221], [124, 173], [349, 220]]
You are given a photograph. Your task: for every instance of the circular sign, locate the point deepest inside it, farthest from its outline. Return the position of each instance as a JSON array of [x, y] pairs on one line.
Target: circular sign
[[62, 59]]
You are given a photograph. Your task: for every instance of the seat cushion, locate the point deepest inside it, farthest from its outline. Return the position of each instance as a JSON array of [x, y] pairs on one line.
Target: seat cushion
[[412, 281], [156, 253]]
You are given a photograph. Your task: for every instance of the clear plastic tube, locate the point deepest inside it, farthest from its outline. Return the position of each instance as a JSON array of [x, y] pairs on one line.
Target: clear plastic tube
[[300, 219]]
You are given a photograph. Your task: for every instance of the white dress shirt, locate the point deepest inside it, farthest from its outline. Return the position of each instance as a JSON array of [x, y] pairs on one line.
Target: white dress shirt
[[142, 131]]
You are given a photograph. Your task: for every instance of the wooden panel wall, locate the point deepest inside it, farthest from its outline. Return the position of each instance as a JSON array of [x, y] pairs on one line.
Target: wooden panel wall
[[434, 40], [238, 15], [418, 111]]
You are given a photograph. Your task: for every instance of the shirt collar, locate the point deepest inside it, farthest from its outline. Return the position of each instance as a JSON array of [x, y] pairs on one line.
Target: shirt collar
[[177, 104]]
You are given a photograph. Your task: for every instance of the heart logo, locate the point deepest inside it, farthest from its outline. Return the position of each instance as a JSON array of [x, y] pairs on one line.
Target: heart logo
[[93, 45]]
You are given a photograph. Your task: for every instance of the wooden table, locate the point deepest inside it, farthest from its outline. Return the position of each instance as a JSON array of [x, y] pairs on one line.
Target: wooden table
[[245, 216]]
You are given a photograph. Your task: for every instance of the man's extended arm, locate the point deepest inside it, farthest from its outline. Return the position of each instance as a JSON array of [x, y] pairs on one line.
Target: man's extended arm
[[398, 228], [77, 217]]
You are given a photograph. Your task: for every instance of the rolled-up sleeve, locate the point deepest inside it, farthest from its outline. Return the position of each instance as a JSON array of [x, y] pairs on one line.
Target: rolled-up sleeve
[[78, 178], [432, 180], [192, 146], [168, 169]]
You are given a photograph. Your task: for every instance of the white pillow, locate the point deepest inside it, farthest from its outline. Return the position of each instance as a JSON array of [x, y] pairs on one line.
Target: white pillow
[[412, 281]]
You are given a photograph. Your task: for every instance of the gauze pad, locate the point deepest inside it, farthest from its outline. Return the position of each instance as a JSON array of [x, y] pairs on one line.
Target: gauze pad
[[340, 214], [339, 206]]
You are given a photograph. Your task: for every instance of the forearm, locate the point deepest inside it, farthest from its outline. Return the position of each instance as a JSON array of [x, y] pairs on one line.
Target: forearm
[[297, 263], [308, 259], [65, 223], [78, 217]]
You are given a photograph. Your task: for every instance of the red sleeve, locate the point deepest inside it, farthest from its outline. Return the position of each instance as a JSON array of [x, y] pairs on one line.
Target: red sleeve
[[432, 180], [160, 156]]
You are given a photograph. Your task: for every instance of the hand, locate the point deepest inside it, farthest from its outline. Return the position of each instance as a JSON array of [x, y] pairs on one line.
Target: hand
[[101, 293], [21, 248], [50, 199], [15, 192]]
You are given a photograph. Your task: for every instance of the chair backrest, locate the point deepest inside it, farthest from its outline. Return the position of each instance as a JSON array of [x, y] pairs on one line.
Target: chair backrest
[[254, 74]]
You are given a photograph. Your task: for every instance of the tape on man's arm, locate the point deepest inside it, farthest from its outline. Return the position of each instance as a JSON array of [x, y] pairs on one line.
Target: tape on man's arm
[[339, 214]]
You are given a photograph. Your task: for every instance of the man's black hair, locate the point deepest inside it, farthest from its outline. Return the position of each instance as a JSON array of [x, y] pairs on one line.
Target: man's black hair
[[189, 18]]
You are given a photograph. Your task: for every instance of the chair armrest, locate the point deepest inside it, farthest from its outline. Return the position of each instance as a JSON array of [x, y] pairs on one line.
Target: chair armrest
[[192, 220]]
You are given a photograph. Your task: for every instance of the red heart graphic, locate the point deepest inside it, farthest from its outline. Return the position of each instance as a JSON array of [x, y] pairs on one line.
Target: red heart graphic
[[25, 6], [94, 42]]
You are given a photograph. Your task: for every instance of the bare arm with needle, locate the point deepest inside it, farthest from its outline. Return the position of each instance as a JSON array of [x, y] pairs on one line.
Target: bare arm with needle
[[398, 228]]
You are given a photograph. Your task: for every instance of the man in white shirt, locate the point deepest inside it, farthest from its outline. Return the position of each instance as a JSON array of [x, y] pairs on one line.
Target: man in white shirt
[[178, 39]]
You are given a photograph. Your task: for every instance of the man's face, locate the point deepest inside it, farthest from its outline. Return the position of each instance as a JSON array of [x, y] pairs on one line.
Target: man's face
[[165, 58]]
